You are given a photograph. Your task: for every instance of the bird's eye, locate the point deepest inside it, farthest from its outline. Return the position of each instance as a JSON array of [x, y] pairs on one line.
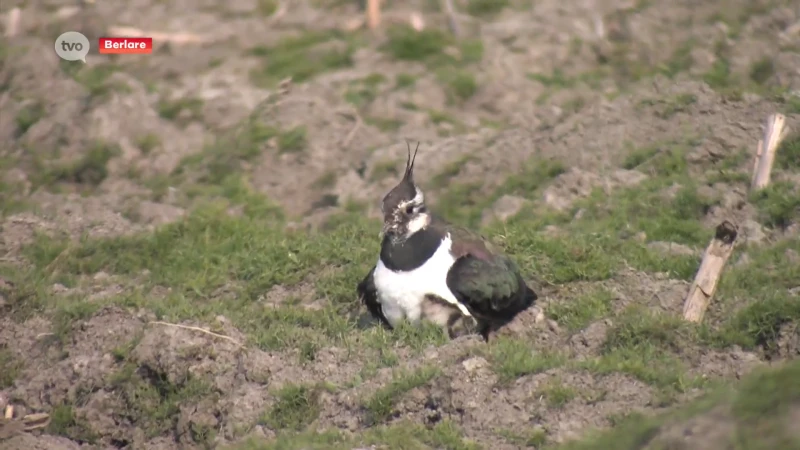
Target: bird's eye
[[410, 209]]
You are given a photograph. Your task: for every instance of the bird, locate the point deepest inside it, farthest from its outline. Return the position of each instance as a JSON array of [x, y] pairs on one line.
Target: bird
[[431, 270]]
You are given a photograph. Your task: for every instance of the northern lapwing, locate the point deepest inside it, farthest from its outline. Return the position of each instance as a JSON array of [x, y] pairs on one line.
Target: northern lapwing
[[430, 270]]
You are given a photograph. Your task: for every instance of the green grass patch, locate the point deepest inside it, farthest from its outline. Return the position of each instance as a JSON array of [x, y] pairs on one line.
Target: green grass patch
[[88, 171], [96, 79], [668, 107], [148, 142], [513, 358], [791, 104], [758, 325], [647, 346], [295, 407], [535, 438], [267, 7], [211, 250], [380, 406], [787, 156], [303, 57], [28, 116], [577, 313], [755, 412], [464, 203], [762, 70], [557, 79], [64, 422], [766, 272], [182, 110], [151, 400], [362, 92], [556, 394], [11, 196], [484, 8], [404, 80], [292, 140], [403, 435], [383, 123], [11, 368], [778, 204], [450, 59], [430, 46], [460, 85]]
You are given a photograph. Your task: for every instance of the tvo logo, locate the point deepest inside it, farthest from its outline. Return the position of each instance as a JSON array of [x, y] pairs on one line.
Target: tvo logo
[[72, 46]]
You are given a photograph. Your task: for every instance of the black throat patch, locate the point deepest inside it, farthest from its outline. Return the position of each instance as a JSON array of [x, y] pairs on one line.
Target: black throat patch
[[409, 255]]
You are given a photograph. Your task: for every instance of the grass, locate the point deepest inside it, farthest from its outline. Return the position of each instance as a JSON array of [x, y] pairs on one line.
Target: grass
[[380, 405], [556, 394], [11, 368], [513, 358], [182, 110], [451, 60], [579, 312], [28, 116], [295, 407], [96, 79], [465, 202], [668, 107], [481, 8], [756, 409], [648, 346], [302, 57], [87, 171], [63, 422], [787, 157], [153, 401], [212, 263], [779, 204], [402, 435]]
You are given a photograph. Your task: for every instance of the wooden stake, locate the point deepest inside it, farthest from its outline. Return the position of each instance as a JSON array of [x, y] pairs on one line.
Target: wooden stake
[[12, 23], [373, 14], [707, 278], [765, 154], [452, 20]]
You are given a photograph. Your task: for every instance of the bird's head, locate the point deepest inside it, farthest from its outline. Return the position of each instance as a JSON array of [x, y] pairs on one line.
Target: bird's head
[[404, 211]]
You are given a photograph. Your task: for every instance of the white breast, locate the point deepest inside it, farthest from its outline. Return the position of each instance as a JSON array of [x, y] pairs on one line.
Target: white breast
[[401, 293]]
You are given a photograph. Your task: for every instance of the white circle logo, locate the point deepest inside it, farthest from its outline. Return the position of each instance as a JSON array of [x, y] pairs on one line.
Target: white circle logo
[[72, 46]]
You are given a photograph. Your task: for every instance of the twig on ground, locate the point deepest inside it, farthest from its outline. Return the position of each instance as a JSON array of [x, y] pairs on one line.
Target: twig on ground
[[202, 330], [9, 412], [352, 133], [452, 20], [58, 258], [765, 152], [705, 282], [36, 421]]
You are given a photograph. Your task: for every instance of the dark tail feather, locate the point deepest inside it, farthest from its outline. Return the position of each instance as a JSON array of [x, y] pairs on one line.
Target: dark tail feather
[[530, 297]]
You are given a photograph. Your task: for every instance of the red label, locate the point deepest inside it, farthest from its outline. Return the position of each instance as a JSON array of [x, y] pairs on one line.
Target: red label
[[125, 45]]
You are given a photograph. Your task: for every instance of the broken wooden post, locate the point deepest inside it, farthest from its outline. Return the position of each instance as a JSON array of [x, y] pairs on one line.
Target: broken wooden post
[[452, 20], [765, 154], [707, 278], [373, 14], [12, 22]]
